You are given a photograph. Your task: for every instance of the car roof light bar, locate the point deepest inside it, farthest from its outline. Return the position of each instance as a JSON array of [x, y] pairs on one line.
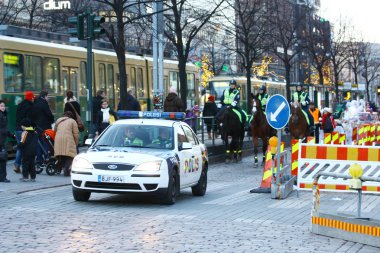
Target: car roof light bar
[[151, 115]]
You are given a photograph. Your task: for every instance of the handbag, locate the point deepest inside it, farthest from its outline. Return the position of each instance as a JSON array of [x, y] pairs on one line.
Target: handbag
[[78, 119], [3, 155]]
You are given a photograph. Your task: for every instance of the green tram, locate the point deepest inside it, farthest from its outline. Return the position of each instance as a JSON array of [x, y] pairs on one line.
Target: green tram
[[35, 65]]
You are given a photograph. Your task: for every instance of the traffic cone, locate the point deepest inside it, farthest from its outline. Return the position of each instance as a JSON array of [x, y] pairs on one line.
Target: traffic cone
[[267, 173]]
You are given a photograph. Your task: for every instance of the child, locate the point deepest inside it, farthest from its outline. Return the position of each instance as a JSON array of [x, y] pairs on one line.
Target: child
[[28, 147]]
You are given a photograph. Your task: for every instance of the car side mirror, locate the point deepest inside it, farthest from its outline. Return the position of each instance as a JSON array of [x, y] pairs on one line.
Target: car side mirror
[[186, 145], [88, 142]]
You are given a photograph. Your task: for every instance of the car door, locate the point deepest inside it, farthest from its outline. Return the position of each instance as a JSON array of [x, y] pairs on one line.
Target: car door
[[185, 157], [195, 167]]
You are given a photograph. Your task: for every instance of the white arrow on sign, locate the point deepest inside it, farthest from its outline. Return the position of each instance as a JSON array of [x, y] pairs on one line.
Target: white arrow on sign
[[273, 116]]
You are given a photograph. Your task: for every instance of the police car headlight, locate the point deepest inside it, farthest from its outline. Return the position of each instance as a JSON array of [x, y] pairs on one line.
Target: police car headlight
[[149, 166], [81, 163]]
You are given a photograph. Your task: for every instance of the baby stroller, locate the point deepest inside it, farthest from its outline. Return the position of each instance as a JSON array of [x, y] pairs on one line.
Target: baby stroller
[[49, 161]]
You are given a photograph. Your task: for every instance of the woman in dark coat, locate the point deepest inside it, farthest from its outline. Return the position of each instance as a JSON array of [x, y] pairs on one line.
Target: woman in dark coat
[[172, 102], [210, 109], [70, 102], [4, 133]]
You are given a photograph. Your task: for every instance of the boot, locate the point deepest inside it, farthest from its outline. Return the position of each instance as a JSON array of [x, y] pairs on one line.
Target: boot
[[209, 135], [16, 169]]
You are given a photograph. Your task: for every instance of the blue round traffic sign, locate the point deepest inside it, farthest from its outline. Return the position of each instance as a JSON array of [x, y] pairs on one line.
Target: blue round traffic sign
[[278, 111]]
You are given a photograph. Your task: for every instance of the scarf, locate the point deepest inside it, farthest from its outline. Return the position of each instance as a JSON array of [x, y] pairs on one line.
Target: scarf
[[106, 115]]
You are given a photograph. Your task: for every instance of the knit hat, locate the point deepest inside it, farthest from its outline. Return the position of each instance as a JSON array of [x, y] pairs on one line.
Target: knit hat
[[29, 95], [211, 98], [327, 109], [173, 89]]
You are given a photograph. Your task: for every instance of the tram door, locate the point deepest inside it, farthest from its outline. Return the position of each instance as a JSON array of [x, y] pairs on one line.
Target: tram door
[[70, 80]]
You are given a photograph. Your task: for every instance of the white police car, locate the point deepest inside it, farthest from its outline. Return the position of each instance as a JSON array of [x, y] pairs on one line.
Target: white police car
[[142, 155]]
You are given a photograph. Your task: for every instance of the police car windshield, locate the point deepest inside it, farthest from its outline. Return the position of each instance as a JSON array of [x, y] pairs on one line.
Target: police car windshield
[[138, 136]]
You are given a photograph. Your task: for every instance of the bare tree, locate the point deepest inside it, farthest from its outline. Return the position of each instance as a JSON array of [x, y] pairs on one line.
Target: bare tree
[[122, 12], [33, 10], [318, 40], [9, 10], [370, 68], [285, 22], [184, 20], [355, 62], [250, 31], [338, 51]]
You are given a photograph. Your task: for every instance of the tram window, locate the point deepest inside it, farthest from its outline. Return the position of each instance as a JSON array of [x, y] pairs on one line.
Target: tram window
[[191, 85], [13, 70], [83, 79], [133, 80], [74, 81], [140, 83], [173, 79], [110, 82], [102, 77], [51, 75], [33, 73]]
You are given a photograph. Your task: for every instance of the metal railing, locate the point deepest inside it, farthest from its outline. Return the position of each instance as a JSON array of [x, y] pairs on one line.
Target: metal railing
[[317, 196]]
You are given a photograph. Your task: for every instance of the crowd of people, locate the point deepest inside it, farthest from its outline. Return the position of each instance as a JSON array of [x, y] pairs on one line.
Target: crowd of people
[[34, 118]]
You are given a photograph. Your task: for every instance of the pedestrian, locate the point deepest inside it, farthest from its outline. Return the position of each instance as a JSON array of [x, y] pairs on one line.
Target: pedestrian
[[131, 103], [328, 123], [24, 111], [71, 103], [209, 111], [4, 133], [172, 102], [28, 146], [96, 106], [106, 116], [314, 111], [43, 119], [66, 141]]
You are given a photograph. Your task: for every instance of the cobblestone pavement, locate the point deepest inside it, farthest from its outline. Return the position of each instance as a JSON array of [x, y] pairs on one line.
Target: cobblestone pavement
[[43, 217]]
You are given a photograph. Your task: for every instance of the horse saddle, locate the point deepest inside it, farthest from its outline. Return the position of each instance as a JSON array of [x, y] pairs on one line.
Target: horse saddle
[[242, 116]]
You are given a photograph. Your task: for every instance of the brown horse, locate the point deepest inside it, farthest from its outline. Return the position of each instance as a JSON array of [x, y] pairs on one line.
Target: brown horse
[[298, 126], [232, 126], [260, 129]]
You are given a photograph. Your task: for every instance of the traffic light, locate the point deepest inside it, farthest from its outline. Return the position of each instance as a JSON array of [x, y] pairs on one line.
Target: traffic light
[[96, 28], [78, 22]]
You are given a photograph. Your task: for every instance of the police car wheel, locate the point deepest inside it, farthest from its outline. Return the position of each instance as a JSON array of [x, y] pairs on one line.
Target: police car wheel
[[200, 188], [81, 195], [171, 194]]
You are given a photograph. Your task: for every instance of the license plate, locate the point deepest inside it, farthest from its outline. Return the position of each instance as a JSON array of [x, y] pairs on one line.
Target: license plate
[[110, 179]]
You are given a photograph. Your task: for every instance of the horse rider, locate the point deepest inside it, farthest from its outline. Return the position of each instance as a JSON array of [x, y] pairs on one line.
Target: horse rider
[[231, 97], [302, 98], [263, 97]]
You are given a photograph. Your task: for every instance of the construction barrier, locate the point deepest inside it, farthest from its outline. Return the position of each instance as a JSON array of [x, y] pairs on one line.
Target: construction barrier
[[378, 133], [335, 138], [354, 135], [295, 147], [371, 135], [327, 138], [314, 158], [362, 134], [342, 139]]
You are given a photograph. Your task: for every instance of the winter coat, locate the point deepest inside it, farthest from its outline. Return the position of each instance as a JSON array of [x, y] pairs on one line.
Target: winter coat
[[210, 109], [96, 106], [66, 137], [42, 116], [29, 143], [24, 110], [131, 105], [69, 108], [173, 103], [100, 125], [326, 126], [4, 133]]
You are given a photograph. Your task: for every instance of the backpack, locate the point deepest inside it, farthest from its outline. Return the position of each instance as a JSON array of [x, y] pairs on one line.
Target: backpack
[[328, 127]]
